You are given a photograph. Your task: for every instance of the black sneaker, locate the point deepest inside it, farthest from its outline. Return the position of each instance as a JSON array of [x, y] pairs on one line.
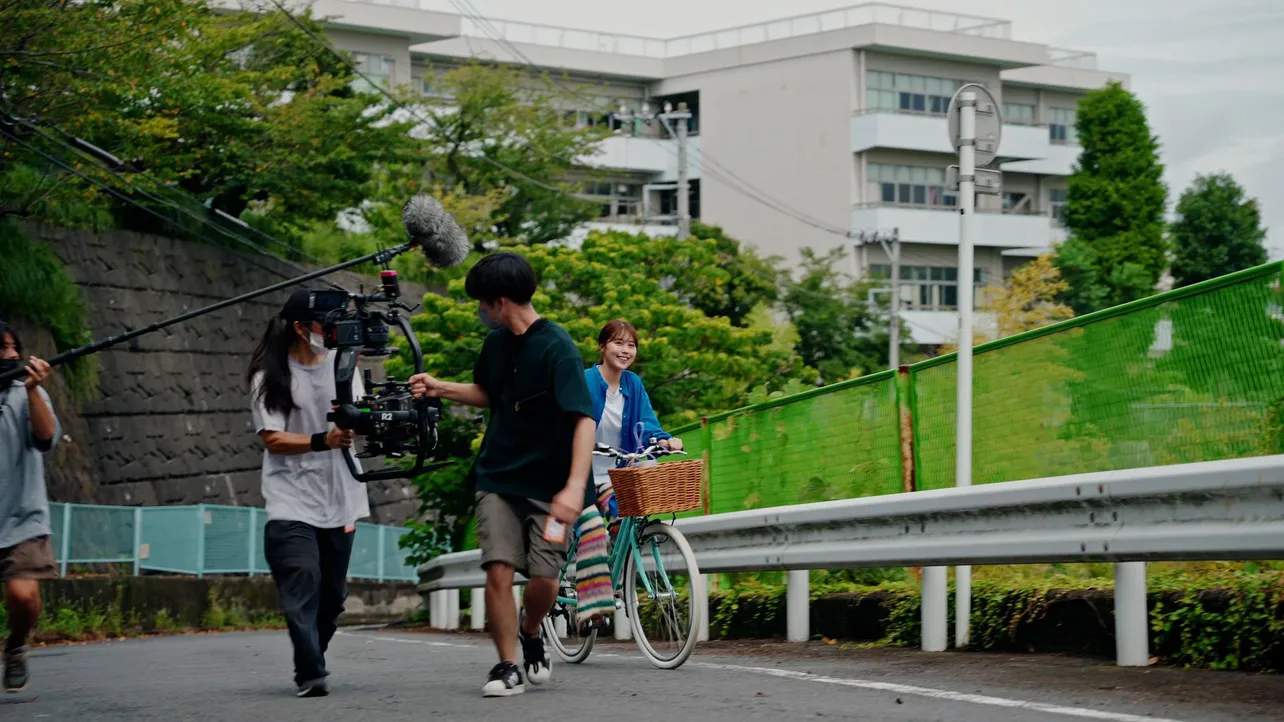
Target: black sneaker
[[505, 681], [15, 670], [538, 669], [315, 688]]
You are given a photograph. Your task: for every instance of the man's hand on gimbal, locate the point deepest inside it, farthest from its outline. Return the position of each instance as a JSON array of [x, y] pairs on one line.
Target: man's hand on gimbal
[[424, 385]]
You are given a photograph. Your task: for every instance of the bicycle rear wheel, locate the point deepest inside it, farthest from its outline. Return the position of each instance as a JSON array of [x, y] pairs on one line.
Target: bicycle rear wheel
[[560, 628], [664, 596]]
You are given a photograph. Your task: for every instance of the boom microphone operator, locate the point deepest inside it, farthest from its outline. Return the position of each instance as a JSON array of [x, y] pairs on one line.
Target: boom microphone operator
[[393, 423]]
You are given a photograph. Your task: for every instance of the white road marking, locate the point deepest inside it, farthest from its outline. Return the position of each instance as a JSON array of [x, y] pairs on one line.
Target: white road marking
[[905, 689]]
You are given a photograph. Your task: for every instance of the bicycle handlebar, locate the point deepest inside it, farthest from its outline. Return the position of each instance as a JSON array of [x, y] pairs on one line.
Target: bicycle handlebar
[[653, 450]]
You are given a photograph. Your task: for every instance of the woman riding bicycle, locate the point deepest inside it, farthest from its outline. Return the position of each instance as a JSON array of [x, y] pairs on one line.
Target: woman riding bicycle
[[626, 421]]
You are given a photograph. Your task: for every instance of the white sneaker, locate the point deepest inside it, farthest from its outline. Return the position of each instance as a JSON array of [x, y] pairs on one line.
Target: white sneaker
[[505, 681], [538, 668]]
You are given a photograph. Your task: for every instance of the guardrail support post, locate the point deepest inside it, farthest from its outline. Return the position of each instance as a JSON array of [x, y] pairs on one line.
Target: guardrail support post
[[452, 610], [434, 609], [797, 605], [1132, 620], [623, 632], [479, 608], [703, 605], [935, 600]]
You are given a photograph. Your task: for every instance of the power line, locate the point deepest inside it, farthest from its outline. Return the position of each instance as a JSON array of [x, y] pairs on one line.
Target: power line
[[118, 194]]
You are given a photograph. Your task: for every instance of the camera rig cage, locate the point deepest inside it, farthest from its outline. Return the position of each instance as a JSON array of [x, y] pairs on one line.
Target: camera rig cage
[[393, 423]]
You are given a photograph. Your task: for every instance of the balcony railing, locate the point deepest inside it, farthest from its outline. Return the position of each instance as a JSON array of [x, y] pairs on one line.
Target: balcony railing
[[954, 209], [791, 27]]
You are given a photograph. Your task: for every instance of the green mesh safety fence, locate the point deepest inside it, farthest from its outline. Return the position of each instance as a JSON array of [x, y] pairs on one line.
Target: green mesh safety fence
[[1195, 374], [834, 443], [1187, 376]]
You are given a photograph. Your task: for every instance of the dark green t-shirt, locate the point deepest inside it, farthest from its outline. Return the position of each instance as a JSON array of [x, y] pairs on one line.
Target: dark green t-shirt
[[537, 393]]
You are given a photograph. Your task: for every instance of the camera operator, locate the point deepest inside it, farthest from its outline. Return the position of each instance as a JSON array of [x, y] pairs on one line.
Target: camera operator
[[28, 430], [312, 500]]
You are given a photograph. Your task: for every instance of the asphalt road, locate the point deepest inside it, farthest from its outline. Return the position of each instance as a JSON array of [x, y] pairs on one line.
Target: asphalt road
[[386, 675]]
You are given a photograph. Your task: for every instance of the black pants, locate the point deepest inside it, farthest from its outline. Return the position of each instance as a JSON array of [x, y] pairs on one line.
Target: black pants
[[310, 567]]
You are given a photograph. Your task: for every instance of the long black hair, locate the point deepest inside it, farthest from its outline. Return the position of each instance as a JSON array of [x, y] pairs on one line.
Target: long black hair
[[11, 332], [272, 357]]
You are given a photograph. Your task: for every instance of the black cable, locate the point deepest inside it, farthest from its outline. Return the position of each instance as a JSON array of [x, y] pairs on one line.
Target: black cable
[[200, 218], [65, 166]]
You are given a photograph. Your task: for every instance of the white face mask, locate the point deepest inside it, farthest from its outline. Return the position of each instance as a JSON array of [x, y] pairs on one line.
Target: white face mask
[[317, 342]]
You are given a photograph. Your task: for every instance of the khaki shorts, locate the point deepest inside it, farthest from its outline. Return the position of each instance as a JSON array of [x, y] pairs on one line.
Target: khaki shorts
[[31, 559], [510, 531]]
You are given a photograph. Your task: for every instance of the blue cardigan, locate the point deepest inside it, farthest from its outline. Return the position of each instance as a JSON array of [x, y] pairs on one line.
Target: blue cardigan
[[637, 408]]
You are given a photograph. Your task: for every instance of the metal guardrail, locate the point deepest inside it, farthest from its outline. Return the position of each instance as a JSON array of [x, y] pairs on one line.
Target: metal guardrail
[[1218, 510]]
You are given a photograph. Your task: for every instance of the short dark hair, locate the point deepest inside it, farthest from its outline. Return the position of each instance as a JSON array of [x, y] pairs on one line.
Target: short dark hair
[[501, 275]]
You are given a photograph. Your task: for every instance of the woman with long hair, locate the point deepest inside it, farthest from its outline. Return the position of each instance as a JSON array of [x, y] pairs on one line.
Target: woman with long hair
[[626, 421], [312, 500]]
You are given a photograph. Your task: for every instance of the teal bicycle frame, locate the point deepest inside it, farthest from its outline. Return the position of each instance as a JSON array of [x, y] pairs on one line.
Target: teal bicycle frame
[[626, 545]]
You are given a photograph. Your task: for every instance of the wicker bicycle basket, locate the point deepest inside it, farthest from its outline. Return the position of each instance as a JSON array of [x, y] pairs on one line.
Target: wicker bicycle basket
[[660, 489]]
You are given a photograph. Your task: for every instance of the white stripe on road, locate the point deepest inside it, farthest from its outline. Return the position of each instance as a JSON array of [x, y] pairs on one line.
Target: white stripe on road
[[937, 693], [425, 642], [905, 689]]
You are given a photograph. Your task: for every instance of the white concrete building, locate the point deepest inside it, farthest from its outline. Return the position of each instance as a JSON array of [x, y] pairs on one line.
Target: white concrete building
[[804, 129]]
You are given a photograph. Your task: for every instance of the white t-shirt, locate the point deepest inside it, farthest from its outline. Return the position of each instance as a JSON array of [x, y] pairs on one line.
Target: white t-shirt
[[315, 488], [608, 432]]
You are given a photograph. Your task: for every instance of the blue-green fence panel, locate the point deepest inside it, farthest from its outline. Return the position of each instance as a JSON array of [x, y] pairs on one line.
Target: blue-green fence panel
[[198, 540]]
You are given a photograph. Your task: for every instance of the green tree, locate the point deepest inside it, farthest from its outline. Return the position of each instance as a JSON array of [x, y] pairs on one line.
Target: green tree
[[1114, 204], [839, 333], [718, 276], [1217, 231], [693, 364], [242, 109], [491, 124]]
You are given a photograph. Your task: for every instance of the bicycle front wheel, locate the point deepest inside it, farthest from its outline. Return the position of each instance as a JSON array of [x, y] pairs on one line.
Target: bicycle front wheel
[[664, 594]]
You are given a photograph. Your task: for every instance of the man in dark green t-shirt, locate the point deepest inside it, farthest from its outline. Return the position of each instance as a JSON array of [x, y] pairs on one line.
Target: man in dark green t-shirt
[[532, 472]]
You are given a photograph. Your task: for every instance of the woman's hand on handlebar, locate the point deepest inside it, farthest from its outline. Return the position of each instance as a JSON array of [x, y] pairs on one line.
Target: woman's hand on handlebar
[[673, 444], [339, 438]]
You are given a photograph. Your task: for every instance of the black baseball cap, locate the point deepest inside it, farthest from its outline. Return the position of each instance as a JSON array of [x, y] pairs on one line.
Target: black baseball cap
[[306, 305]]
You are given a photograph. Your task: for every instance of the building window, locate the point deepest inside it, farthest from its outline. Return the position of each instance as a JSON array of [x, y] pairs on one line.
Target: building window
[[377, 70], [1019, 113], [909, 185], [908, 93], [1061, 126], [929, 288], [1057, 203]]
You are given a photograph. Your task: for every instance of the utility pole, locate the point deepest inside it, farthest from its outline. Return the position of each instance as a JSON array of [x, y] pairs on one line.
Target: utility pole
[[683, 189], [893, 251]]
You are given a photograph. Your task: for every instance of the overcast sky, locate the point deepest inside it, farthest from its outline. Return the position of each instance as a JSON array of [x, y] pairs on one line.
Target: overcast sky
[[1210, 73]]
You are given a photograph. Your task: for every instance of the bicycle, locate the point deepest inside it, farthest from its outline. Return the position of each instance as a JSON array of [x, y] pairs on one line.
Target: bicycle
[[635, 554]]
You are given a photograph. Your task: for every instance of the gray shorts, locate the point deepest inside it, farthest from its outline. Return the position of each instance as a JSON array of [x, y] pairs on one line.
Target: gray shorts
[[510, 530]]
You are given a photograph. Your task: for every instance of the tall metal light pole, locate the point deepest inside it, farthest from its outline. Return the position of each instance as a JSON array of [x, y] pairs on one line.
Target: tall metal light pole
[[975, 127]]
